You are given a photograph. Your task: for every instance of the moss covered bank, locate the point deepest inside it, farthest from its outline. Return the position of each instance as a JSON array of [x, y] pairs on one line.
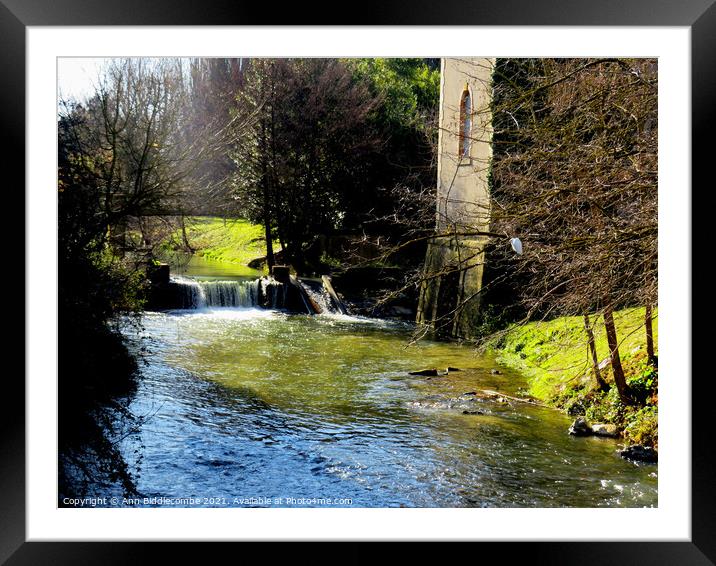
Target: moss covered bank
[[555, 358]]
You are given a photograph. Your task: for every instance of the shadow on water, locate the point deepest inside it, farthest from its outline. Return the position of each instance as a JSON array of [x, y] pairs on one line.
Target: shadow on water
[[96, 389]]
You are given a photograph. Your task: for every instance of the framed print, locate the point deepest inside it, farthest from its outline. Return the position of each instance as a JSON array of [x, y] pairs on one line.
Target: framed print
[[273, 397]]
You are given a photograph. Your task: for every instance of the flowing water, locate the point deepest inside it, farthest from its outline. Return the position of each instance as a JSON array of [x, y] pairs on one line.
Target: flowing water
[[244, 406]]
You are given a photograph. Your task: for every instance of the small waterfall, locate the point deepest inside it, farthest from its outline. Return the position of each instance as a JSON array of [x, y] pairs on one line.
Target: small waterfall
[[296, 296], [201, 294]]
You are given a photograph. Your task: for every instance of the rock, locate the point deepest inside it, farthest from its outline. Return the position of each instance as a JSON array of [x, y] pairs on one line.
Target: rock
[[453, 369], [495, 372], [471, 393], [401, 311], [432, 372], [639, 453], [580, 427], [473, 413], [610, 430]]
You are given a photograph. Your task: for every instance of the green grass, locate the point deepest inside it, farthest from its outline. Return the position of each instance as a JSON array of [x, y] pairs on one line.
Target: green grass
[[231, 241], [554, 355]]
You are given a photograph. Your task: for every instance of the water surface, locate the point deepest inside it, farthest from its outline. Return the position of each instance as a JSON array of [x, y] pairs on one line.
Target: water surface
[[247, 403]]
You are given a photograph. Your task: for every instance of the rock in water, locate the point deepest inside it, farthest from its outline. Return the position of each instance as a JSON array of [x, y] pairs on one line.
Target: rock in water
[[639, 453], [424, 372], [609, 430], [580, 427]]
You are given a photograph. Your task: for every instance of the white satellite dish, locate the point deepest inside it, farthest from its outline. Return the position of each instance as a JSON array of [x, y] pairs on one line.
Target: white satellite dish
[[516, 245]]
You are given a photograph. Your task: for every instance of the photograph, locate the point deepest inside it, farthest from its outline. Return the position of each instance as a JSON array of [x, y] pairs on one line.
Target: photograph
[[421, 277], [357, 282]]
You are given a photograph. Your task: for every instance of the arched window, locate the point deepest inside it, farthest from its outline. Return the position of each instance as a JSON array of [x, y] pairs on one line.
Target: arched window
[[465, 123]]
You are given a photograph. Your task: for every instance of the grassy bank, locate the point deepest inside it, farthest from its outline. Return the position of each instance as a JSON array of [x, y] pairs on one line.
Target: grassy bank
[[233, 241], [554, 357]]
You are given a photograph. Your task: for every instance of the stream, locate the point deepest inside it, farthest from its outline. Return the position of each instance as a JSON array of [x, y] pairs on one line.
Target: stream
[[242, 406]]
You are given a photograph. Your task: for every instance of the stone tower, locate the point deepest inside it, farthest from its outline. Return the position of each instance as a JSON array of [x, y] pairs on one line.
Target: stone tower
[[450, 293]]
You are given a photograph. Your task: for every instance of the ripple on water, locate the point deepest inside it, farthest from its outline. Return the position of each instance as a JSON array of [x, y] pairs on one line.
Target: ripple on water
[[248, 402]]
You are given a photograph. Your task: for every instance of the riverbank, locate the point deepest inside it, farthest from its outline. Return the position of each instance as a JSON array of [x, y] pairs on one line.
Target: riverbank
[[553, 355], [230, 240]]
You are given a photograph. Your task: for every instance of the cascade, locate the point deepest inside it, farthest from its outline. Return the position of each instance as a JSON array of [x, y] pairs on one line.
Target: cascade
[[201, 294], [265, 292]]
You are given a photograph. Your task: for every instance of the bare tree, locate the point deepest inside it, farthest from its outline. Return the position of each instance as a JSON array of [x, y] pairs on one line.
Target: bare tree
[[302, 156], [574, 176]]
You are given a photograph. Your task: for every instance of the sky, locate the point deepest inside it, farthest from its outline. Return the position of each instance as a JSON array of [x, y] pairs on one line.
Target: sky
[[76, 76]]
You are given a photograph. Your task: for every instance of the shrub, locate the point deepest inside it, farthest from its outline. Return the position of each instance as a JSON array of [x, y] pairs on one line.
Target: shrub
[[643, 385], [643, 427]]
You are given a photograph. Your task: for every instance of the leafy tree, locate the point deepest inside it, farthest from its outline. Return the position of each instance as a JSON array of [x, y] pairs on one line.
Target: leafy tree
[[406, 119], [303, 159]]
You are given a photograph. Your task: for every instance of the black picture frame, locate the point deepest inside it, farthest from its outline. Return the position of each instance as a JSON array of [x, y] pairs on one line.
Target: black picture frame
[[698, 15]]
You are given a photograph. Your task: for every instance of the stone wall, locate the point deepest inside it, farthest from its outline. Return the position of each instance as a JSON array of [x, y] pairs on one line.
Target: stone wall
[[450, 295]]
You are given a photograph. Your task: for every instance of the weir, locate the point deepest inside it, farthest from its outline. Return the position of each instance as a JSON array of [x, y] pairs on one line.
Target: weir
[[266, 292], [202, 294]]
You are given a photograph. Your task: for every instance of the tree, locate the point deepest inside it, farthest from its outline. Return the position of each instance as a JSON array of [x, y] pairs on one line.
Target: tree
[[303, 157], [408, 91], [212, 87], [575, 175], [123, 154]]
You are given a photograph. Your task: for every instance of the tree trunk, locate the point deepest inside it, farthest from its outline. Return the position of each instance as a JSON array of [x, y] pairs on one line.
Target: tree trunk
[[184, 237], [270, 262], [267, 226], [599, 380], [649, 335], [616, 362], [266, 199]]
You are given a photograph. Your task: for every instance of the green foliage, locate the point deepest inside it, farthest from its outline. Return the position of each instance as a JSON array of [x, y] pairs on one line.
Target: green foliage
[[643, 384], [606, 408], [409, 89], [330, 261], [230, 240], [491, 319], [643, 427], [553, 354]]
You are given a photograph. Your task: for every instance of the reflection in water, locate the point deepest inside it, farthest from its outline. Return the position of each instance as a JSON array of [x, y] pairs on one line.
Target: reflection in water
[[247, 403], [210, 270]]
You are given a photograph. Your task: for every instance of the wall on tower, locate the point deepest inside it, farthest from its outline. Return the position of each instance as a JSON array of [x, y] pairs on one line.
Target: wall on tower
[[450, 293]]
